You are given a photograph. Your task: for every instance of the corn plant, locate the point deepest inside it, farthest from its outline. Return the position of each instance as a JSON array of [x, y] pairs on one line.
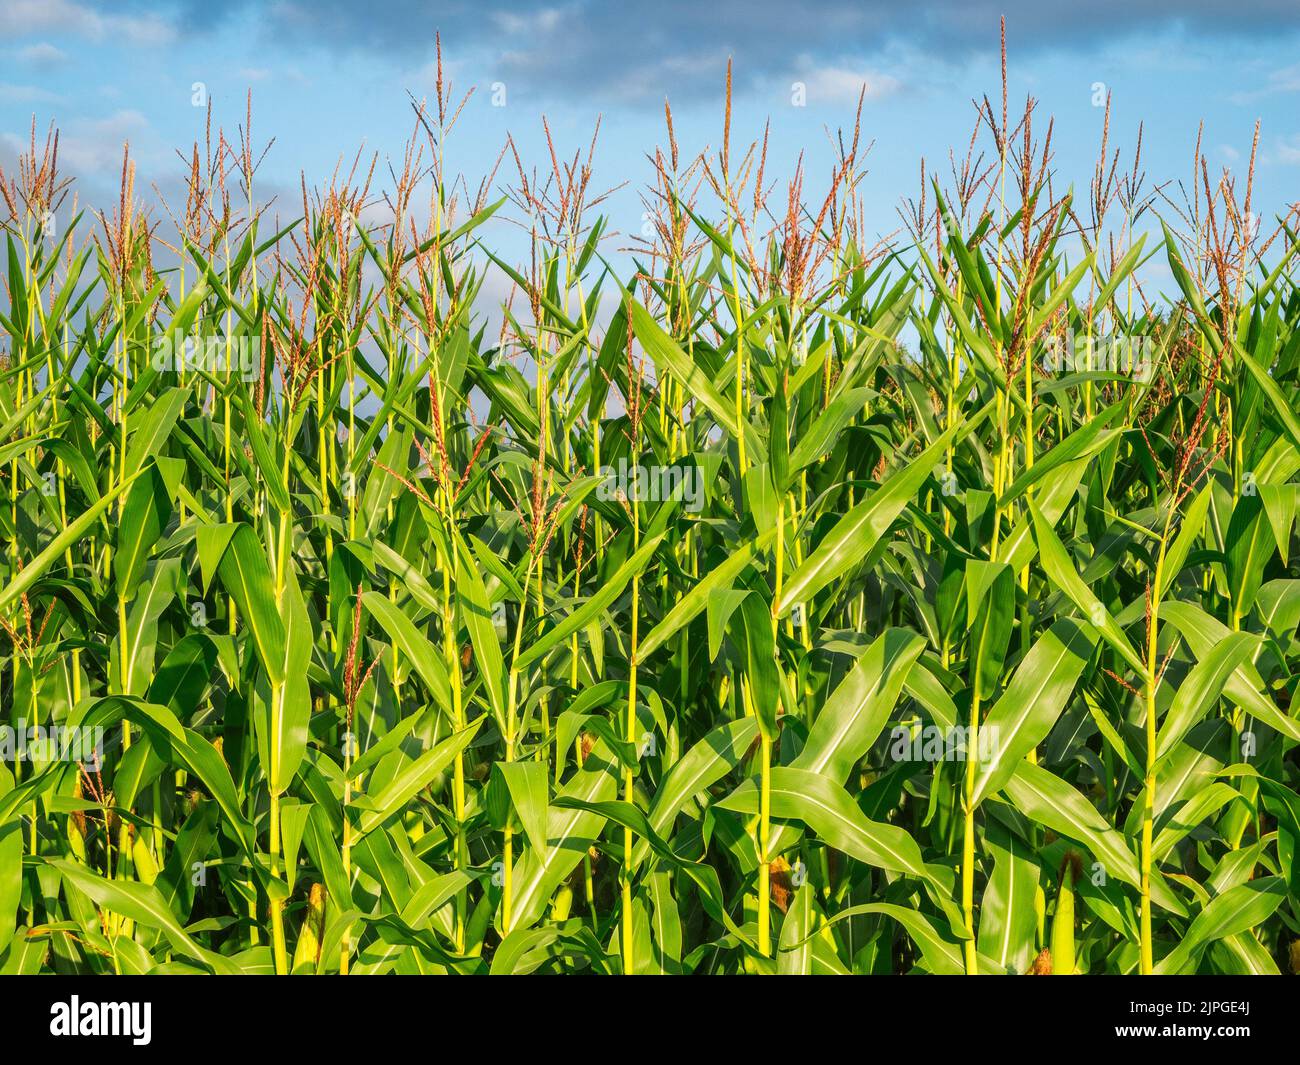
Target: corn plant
[[763, 598]]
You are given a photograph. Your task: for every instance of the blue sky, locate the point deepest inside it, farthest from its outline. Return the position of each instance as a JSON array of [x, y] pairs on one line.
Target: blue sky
[[328, 77]]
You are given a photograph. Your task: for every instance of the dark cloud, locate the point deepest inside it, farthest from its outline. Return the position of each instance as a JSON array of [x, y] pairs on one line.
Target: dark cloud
[[678, 47]]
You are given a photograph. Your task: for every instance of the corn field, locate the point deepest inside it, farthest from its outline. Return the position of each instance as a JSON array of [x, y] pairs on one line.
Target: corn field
[[761, 597]]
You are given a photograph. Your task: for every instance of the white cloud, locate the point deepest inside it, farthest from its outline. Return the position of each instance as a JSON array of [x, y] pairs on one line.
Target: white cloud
[[1282, 80], [92, 148], [842, 81], [27, 94], [42, 54], [20, 18], [1288, 150], [647, 80], [544, 21]]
